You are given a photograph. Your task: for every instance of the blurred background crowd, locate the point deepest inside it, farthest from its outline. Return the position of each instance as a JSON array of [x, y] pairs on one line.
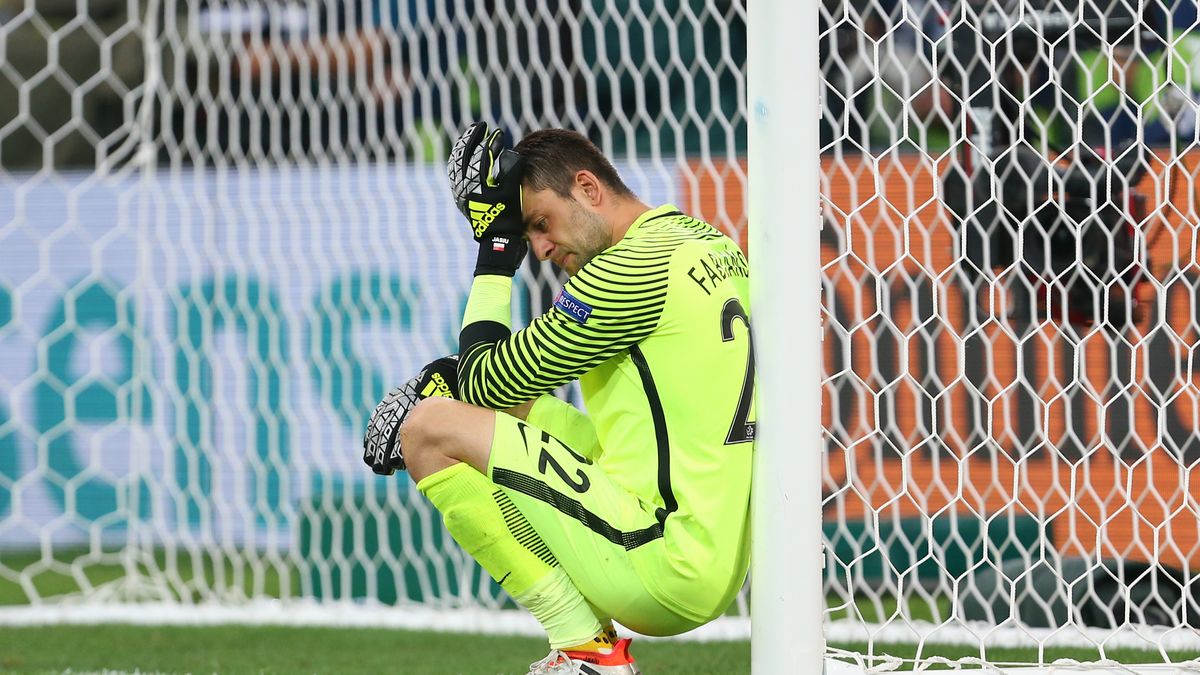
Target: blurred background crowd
[[285, 80]]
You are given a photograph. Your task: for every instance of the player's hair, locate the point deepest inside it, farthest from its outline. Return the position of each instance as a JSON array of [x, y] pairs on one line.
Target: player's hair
[[553, 156]]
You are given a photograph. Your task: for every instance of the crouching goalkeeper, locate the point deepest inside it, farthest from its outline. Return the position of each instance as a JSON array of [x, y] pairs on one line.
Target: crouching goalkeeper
[[638, 511]]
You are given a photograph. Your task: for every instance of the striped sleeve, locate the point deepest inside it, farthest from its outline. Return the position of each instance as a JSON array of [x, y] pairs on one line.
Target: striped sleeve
[[611, 304]]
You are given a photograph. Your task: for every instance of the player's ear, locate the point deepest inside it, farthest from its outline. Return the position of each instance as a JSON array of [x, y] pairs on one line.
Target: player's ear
[[590, 186]]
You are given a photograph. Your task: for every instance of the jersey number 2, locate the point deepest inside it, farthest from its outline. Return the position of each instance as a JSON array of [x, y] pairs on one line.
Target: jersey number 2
[[741, 430]]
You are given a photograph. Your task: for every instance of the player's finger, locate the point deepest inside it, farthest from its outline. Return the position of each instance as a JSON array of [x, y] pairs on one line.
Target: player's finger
[[510, 163], [495, 145], [467, 141], [459, 167], [474, 161], [475, 133]]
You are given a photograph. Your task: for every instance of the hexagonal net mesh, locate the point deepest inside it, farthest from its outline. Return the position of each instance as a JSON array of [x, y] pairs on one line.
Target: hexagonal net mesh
[[223, 235], [1010, 283], [227, 232]]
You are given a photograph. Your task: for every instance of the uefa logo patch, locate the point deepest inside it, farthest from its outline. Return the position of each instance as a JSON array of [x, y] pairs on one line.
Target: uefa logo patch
[[572, 306]]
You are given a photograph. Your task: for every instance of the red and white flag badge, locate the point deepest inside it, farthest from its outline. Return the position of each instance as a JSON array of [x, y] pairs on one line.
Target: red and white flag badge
[[499, 243]]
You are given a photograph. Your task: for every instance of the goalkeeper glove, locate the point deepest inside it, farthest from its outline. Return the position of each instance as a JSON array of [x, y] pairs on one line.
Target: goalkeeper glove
[[486, 182], [381, 444]]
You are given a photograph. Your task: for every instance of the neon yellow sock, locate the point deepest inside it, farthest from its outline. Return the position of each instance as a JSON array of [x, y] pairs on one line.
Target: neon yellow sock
[[485, 522], [562, 611], [601, 643]]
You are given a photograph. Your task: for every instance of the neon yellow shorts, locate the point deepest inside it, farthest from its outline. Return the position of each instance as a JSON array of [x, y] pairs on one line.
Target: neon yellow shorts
[[589, 522]]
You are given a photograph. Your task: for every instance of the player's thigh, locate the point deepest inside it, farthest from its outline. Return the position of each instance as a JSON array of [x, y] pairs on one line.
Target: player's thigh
[[588, 521], [566, 423]]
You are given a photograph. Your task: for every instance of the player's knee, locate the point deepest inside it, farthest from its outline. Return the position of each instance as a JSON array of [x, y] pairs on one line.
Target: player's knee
[[425, 430]]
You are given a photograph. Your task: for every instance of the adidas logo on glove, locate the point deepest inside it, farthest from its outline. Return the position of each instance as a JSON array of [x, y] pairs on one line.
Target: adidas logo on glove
[[483, 214], [437, 387]]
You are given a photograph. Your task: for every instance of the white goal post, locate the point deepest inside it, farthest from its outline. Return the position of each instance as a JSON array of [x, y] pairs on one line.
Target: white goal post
[[784, 203], [222, 237]]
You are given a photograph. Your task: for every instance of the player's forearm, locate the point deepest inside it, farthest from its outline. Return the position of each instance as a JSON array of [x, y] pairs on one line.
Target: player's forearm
[[486, 321], [488, 316]]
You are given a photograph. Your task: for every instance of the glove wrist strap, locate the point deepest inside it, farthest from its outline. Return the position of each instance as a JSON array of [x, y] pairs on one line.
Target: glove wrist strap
[[501, 255]]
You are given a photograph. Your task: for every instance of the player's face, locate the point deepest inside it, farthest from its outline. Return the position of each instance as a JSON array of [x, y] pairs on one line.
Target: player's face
[[563, 230]]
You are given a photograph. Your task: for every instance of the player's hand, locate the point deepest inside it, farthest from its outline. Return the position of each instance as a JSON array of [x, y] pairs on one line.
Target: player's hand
[[486, 182], [381, 444]]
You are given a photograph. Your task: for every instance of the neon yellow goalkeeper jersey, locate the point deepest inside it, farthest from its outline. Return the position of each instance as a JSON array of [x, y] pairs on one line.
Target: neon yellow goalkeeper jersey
[[656, 329]]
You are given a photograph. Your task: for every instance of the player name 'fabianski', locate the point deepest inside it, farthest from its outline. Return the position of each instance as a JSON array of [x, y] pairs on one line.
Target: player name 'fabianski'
[[717, 267]]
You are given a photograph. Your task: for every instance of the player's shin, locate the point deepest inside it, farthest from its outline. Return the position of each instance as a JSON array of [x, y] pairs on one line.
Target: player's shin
[[484, 521]]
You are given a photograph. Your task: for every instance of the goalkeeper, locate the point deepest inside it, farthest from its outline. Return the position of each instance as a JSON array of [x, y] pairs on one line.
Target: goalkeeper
[[639, 510]]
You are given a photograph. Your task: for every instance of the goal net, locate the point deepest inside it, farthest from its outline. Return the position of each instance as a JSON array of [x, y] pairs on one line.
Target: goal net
[[1009, 294], [225, 232]]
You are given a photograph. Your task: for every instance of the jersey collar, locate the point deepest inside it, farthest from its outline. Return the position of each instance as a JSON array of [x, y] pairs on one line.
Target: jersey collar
[[657, 212]]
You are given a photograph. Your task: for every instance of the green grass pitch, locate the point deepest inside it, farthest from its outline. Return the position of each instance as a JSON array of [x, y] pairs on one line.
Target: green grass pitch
[[236, 649], [272, 649]]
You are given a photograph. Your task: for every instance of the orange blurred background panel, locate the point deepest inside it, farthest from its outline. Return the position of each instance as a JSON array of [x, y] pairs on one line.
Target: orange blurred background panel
[[926, 408]]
